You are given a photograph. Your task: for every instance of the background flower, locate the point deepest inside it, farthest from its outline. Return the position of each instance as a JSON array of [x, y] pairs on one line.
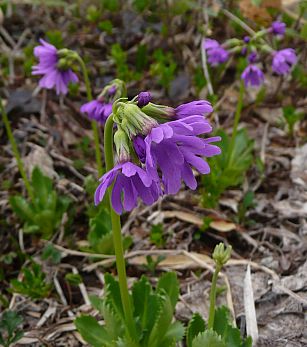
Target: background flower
[[97, 110], [215, 52], [252, 76], [283, 61], [53, 76]]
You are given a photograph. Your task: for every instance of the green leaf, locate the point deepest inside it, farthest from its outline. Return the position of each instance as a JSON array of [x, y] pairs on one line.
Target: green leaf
[[175, 332], [232, 337], [221, 320], [162, 323], [10, 321], [248, 342], [169, 282], [141, 292], [22, 208], [42, 186], [208, 338], [92, 332], [196, 325], [112, 295]]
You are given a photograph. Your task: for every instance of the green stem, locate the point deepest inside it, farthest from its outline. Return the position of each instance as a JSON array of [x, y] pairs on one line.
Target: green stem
[[93, 123], [117, 236], [15, 151], [213, 297], [236, 120]]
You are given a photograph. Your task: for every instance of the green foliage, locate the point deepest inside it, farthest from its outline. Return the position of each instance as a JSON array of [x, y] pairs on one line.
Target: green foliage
[[33, 284], [100, 235], [196, 325], [141, 5], [55, 38], [29, 60], [208, 338], [93, 14], [300, 75], [73, 279], [156, 235], [199, 79], [9, 332], [111, 5], [227, 169], [163, 68], [51, 253], [123, 71], [223, 333], [153, 313], [291, 116], [106, 25], [44, 214], [247, 203], [141, 60], [152, 264]]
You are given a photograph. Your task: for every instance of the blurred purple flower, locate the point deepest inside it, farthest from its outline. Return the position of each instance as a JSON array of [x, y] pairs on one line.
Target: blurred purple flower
[[173, 148], [97, 110], [130, 182], [53, 76], [143, 99], [194, 108], [278, 28], [215, 52], [246, 39], [252, 57], [283, 61], [252, 76]]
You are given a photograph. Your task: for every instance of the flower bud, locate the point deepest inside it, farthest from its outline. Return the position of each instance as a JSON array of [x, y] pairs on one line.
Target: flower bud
[[133, 120], [121, 141], [221, 255], [144, 99], [159, 111], [63, 64]]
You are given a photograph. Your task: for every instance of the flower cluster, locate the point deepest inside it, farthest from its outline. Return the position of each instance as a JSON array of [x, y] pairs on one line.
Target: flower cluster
[[282, 60], [100, 108], [154, 158], [55, 67]]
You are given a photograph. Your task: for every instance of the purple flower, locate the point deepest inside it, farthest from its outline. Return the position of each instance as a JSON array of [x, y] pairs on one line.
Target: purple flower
[[283, 61], [53, 76], [252, 57], [143, 99], [246, 39], [278, 28], [215, 52], [97, 110], [173, 148], [194, 108], [130, 182], [252, 76]]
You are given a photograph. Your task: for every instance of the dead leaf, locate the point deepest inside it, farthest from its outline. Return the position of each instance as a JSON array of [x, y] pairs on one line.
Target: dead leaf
[[259, 14], [174, 261], [223, 226], [184, 216]]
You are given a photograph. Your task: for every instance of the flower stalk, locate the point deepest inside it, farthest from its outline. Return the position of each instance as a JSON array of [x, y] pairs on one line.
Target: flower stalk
[[236, 120], [117, 236], [93, 123], [220, 256], [16, 151]]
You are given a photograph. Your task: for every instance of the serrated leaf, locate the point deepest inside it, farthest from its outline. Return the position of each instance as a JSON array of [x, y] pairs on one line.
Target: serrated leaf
[[221, 320], [112, 295], [208, 338], [162, 323], [169, 283], [141, 292], [92, 332], [196, 325], [232, 337], [174, 333]]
